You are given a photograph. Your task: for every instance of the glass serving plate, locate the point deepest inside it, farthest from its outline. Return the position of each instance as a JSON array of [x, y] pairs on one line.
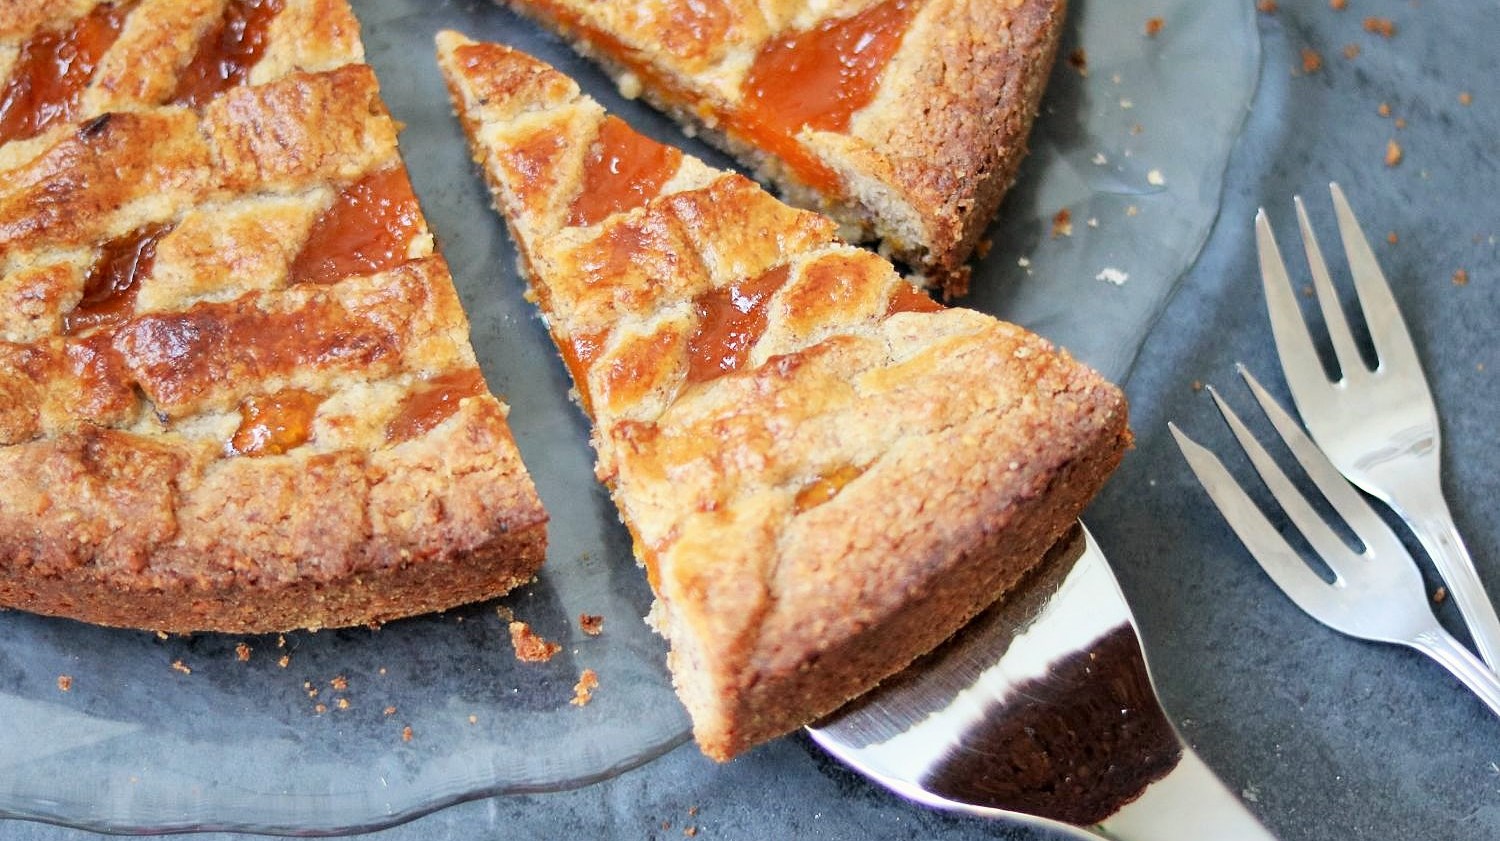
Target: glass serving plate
[[309, 734]]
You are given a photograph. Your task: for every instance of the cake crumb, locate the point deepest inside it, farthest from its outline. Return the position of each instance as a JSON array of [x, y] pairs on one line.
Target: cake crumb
[[1384, 110], [692, 811], [592, 624], [505, 613], [1400, 122], [1197, 385], [1312, 60], [1392, 238], [281, 641], [1384, 27], [1132, 210], [391, 710], [1155, 178], [179, 666], [583, 690], [284, 660], [666, 824], [242, 652], [406, 733], [1307, 290], [1079, 59], [1062, 223], [473, 719], [1440, 595], [690, 831], [1110, 274], [161, 635], [529, 647], [1126, 105], [1338, 5], [1267, 7], [1461, 277], [64, 683], [1351, 51], [1154, 27], [1393, 153], [320, 708], [339, 683], [982, 248], [1099, 159], [342, 703], [1465, 98]]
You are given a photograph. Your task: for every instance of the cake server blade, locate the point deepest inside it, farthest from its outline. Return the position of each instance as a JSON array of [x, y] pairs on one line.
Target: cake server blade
[[1042, 710]]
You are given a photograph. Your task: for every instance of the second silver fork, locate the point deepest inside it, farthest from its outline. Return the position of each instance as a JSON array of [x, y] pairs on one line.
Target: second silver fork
[[1378, 427], [1377, 593]]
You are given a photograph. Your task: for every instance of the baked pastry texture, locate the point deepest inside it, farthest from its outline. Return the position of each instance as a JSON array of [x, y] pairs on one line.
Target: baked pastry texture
[[236, 386], [905, 120], [825, 472]]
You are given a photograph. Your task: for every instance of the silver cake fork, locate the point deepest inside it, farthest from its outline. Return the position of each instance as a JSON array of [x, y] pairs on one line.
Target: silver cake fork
[[1378, 427], [1376, 594]]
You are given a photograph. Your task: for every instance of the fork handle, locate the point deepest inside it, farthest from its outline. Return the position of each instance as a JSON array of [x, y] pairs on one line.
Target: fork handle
[[1442, 647], [1188, 804], [1432, 523]]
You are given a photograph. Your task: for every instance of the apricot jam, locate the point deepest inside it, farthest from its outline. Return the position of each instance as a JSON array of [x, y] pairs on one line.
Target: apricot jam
[[271, 424], [624, 170], [109, 290], [52, 70], [818, 78], [825, 487], [227, 52], [434, 402], [368, 229], [730, 321], [908, 298]]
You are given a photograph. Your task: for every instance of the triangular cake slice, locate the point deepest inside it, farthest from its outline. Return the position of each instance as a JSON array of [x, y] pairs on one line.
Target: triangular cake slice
[[905, 120], [236, 386], [825, 472]]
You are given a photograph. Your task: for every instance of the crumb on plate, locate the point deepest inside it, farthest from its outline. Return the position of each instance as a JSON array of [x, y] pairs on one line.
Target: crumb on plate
[[529, 647]]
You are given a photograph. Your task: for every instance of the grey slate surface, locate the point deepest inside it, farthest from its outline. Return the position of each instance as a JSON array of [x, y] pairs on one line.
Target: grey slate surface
[[1329, 738]]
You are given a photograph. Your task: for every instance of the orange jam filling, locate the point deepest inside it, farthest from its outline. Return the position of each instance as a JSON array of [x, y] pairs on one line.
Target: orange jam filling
[[908, 298], [52, 70], [825, 487], [434, 403], [227, 51], [109, 290], [818, 78], [730, 321], [579, 353], [624, 170], [368, 229], [271, 424]]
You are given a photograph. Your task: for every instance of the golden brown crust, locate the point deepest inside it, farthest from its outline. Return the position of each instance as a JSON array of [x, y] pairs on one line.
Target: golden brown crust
[[824, 472], [922, 168], [226, 444]]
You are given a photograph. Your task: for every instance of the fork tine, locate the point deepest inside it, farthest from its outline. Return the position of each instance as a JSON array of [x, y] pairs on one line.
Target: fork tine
[[1378, 538], [1388, 331], [1294, 345], [1279, 560], [1350, 363], [1329, 546]]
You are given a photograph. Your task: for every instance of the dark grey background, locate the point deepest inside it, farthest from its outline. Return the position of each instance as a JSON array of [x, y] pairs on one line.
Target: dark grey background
[[1328, 738]]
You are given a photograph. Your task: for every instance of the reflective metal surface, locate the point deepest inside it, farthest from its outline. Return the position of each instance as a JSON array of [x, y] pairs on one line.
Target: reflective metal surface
[[1378, 427], [1377, 593], [1042, 710]]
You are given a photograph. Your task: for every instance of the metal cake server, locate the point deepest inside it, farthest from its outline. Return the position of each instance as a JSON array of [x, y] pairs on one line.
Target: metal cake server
[[1042, 710]]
